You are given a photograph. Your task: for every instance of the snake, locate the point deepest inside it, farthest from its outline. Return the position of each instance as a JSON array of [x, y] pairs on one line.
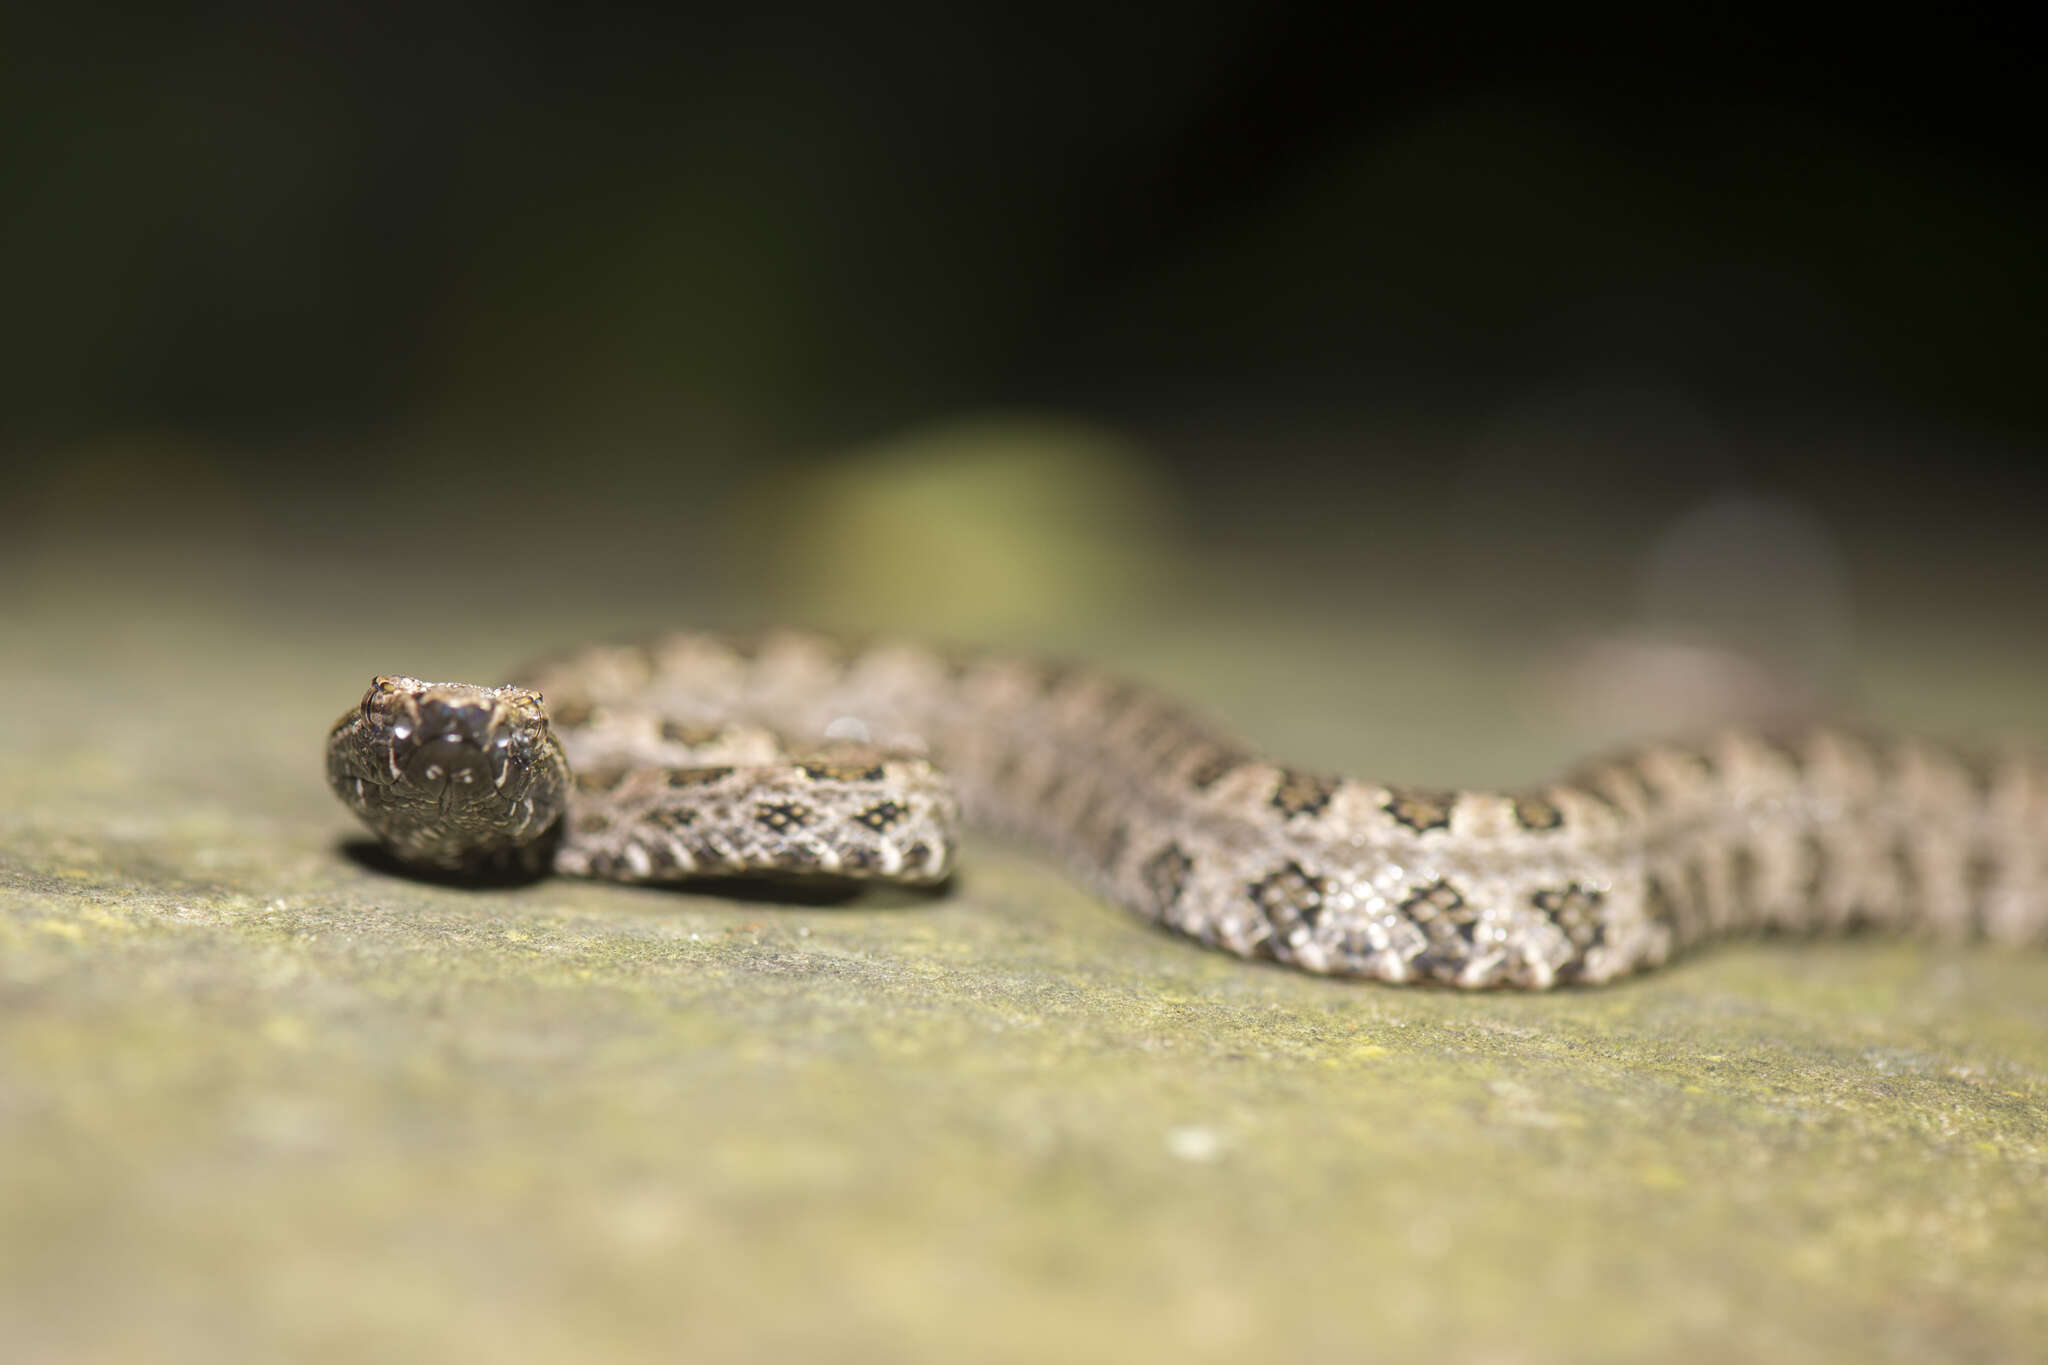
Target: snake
[[795, 755]]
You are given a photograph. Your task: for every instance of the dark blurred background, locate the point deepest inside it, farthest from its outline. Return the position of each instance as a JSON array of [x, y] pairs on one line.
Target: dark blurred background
[[258, 221], [1335, 305]]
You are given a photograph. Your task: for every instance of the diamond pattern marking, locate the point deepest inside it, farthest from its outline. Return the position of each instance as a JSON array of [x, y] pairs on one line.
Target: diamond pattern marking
[[1442, 912], [783, 816], [1536, 814], [1421, 811], [697, 777], [883, 814], [1301, 795], [1574, 908], [1166, 875], [826, 770], [1290, 898]]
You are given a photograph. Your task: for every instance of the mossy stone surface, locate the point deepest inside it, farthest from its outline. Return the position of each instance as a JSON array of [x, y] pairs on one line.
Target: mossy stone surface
[[261, 1099]]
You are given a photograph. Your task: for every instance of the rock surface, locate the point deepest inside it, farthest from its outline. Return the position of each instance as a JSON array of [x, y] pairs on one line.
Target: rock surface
[[260, 1099]]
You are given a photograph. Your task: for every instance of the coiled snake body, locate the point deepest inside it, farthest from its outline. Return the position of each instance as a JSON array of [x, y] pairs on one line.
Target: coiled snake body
[[681, 769]]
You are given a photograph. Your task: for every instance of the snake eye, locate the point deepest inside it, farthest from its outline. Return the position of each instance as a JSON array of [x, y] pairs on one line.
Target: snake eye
[[525, 701]]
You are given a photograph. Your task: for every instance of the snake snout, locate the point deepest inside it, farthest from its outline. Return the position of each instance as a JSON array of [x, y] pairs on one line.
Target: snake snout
[[449, 756], [451, 769], [444, 719]]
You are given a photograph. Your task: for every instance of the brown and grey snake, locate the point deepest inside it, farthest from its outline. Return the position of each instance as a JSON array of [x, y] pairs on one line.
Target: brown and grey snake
[[681, 769]]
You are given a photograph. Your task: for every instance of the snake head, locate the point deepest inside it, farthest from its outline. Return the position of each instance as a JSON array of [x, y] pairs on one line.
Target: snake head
[[450, 775]]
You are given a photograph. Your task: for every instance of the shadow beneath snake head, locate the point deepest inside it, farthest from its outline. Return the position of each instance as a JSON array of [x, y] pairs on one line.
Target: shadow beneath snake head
[[373, 856], [812, 891], [792, 891]]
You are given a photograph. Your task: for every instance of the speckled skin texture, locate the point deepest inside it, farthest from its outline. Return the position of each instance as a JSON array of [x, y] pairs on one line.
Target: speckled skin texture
[[1582, 880]]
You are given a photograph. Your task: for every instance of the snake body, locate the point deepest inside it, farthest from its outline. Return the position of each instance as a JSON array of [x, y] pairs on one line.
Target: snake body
[[794, 754]]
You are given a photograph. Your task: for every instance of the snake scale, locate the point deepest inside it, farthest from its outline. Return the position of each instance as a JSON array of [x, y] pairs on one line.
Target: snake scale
[[795, 755]]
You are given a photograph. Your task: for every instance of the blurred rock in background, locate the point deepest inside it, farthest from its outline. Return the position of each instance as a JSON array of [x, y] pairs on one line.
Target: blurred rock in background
[[973, 527]]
